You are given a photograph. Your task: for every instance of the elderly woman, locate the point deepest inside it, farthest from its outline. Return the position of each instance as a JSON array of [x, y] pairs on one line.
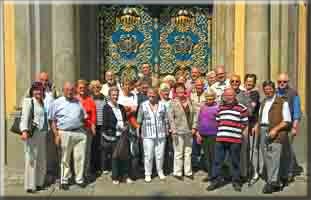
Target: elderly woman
[[114, 125], [153, 118], [182, 123], [168, 155], [207, 128], [100, 101], [34, 127]]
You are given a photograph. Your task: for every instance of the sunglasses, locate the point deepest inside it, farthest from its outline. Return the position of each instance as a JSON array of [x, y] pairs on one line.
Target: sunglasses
[[235, 81], [282, 81]]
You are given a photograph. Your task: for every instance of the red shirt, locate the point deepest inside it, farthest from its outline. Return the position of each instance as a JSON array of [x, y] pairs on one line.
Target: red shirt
[[90, 109]]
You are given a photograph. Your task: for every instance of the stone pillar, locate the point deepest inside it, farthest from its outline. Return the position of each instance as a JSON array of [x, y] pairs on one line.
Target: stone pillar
[[284, 38], [219, 48], [46, 46], [63, 40], [22, 50], [257, 40], [275, 29], [292, 44], [229, 22]]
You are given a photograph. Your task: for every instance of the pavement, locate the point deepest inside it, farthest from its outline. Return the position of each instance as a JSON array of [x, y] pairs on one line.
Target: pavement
[[170, 187], [14, 175]]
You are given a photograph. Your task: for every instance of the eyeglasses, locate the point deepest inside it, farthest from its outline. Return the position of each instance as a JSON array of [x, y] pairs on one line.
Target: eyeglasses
[[282, 82], [235, 81]]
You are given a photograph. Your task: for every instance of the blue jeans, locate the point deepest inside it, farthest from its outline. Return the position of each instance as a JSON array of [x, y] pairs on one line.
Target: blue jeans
[[196, 153], [233, 150]]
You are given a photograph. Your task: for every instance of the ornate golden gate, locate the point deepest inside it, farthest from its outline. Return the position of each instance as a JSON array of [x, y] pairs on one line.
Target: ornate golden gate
[[172, 39]]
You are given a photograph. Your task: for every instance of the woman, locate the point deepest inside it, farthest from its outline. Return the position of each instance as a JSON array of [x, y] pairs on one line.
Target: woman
[[89, 107], [100, 101], [34, 128], [114, 125], [153, 119], [182, 123], [181, 80], [129, 100], [168, 155], [207, 127]]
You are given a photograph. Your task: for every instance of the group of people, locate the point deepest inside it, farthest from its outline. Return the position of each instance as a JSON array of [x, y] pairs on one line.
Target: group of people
[[122, 126]]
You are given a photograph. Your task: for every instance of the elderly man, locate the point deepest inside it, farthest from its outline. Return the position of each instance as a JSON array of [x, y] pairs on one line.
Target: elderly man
[[197, 98], [146, 73], [232, 118], [67, 118], [195, 74], [291, 96], [273, 123], [211, 79], [110, 81], [221, 84]]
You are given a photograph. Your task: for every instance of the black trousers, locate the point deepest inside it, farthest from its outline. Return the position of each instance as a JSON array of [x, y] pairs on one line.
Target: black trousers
[[96, 152]]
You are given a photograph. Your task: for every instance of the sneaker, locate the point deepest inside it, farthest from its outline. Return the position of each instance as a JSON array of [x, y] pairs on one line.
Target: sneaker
[[105, 172], [148, 179], [115, 182], [190, 177], [161, 176], [129, 181]]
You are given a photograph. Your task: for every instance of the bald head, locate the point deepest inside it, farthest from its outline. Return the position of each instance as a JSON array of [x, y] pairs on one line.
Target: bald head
[[43, 77], [283, 81], [195, 73], [68, 90], [109, 77], [229, 95], [220, 73]]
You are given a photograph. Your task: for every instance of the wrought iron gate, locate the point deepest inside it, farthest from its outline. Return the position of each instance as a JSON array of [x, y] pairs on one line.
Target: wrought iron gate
[[172, 39]]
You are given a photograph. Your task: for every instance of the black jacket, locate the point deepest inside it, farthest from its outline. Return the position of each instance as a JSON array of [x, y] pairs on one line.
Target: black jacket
[[110, 121]]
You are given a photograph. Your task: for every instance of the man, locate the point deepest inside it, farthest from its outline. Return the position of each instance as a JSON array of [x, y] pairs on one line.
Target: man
[[67, 119], [195, 74], [291, 96], [90, 123], [221, 83], [232, 119], [142, 95], [211, 79], [242, 98], [273, 122], [146, 74], [197, 97], [110, 81]]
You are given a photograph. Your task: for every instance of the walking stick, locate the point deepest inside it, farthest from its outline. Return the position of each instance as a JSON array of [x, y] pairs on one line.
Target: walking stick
[[252, 155]]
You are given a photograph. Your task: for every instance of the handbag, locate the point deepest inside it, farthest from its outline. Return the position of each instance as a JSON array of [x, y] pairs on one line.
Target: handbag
[[122, 149], [15, 126]]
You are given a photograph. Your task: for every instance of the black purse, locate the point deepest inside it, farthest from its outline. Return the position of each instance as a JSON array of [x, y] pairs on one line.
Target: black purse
[[15, 126]]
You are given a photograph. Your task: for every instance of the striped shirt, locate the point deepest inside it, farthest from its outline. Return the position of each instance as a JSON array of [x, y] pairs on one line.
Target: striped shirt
[[232, 119], [100, 101], [153, 124]]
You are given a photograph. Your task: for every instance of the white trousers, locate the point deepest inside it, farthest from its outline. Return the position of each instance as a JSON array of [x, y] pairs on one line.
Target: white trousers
[[35, 160], [154, 146], [73, 142], [182, 154]]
